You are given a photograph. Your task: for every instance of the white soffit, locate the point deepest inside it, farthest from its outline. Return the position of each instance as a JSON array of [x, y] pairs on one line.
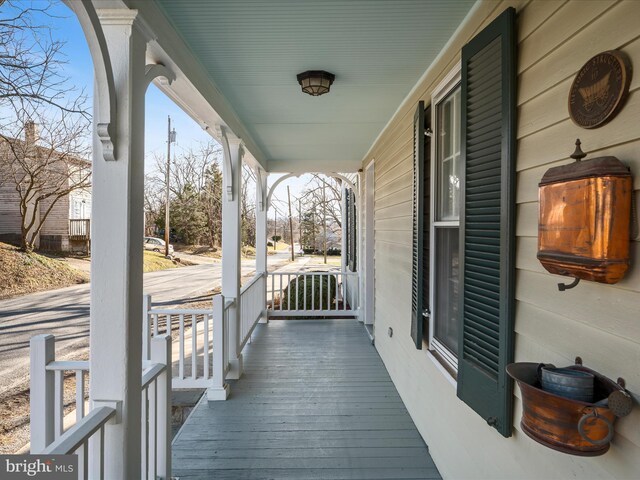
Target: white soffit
[[253, 49]]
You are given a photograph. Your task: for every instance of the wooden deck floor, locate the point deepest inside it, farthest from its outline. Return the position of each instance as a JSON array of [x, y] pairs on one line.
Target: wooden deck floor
[[315, 402]]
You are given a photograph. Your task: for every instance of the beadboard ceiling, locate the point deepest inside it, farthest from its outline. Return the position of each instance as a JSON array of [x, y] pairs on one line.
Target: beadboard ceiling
[[253, 49]]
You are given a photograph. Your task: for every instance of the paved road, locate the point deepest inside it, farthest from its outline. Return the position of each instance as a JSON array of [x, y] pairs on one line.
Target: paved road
[[65, 313]]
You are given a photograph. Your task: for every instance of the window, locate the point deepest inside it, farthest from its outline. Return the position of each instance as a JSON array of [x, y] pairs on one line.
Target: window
[[464, 222], [445, 228]]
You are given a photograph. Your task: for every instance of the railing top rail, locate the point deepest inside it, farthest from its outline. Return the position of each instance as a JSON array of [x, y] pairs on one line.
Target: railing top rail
[[151, 373], [229, 302], [181, 311], [251, 282], [73, 438], [324, 272], [60, 365]]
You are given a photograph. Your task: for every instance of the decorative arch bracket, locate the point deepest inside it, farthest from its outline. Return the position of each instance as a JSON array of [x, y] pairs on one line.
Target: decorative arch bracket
[[261, 184], [155, 70], [278, 182], [105, 121], [227, 168]]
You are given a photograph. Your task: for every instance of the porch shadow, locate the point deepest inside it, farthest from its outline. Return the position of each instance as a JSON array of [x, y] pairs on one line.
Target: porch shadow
[[315, 402]]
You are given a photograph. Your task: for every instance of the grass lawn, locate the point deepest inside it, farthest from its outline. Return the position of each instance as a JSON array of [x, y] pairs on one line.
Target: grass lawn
[[154, 262], [22, 273], [333, 260]]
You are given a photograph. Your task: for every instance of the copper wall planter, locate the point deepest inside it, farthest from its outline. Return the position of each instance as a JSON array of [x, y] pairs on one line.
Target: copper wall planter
[[567, 425], [585, 218]]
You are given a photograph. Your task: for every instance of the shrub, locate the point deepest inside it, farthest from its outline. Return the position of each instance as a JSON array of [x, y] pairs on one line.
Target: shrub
[[328, 282]]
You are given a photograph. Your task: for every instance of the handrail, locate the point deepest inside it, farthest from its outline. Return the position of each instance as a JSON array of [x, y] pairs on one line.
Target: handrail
[[151, 373], [180, 311], [71, 365], [77, 435], [249, 284], [229, 302]]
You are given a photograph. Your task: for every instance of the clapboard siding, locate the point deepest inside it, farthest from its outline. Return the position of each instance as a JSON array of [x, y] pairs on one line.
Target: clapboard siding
[[598, 322], [57, 222], [9, 211], [614, 28]]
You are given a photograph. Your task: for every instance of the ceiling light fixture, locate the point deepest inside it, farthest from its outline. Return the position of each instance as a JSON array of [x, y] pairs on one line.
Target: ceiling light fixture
[[316, 82]]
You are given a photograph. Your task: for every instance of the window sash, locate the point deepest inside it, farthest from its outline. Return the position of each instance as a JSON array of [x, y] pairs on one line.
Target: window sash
[[447, 91]]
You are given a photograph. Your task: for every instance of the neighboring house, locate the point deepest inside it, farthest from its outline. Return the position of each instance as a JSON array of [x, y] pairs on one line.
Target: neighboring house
[[67, 227]]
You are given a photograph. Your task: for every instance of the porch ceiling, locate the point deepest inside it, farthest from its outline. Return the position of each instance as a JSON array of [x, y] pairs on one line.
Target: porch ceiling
[[253, 50]]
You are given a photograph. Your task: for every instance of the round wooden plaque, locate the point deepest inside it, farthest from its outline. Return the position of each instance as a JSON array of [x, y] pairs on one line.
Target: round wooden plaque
[[600, 89]]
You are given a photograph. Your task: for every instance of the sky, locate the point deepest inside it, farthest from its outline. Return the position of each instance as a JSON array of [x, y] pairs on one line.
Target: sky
[[79, 68]]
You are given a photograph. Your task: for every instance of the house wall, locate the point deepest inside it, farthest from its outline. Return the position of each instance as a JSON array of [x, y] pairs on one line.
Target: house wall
[[9, 211], [57, 222], [598, 322]]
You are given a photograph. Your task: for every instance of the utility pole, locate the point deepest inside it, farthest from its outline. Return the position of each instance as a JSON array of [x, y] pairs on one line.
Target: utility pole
[[171, 137], [275, 226], [324, 220], [290, 224], [300, 223]]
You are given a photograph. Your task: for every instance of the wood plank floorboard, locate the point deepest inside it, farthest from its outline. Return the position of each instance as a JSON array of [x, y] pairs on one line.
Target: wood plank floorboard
[[315, 402]]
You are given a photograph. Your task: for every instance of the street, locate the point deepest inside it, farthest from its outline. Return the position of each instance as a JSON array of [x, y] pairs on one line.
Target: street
[[65, 313]]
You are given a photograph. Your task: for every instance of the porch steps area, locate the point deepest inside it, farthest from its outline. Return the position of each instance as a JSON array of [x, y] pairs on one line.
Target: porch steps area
[[315, 402]]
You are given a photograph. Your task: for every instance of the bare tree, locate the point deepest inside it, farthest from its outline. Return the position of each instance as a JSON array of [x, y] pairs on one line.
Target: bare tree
[[195, 186], [44, 167], [322, 217], [248, 207], [331, 200], [32, 64]]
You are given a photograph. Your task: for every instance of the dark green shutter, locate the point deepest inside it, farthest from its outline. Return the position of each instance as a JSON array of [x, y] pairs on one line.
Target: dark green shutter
[[347, 217], [352, 231], [417, 267], [487, 221]]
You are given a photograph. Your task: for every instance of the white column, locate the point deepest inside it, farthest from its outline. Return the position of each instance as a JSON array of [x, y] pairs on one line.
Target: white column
[[231, 244], [116, 263], [261, 234]]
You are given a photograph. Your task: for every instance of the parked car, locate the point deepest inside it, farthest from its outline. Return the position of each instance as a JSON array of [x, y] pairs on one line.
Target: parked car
[[156, 245]]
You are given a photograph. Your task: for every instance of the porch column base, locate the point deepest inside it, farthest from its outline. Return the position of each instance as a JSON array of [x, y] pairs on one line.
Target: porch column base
[[264, 318], [235, 368], [215, 394]]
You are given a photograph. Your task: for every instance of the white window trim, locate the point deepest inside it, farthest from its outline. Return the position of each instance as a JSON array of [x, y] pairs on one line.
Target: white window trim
[[442, 90]]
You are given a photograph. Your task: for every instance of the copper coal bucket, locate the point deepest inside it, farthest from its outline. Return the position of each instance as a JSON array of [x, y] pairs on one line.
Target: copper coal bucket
[[569, 426]]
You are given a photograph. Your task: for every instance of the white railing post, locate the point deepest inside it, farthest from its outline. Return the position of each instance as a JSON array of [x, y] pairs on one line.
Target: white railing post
[[42, 392], [146, 327], [161, 353], [218, 390]]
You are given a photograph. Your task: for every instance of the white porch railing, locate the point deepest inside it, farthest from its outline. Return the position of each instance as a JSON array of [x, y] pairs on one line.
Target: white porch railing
[[47, 411], [252, 307], [196, 332], [312, 294], [194, 339]]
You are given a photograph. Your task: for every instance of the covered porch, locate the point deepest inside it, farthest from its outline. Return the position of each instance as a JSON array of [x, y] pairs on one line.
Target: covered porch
[[315, 402], [304, 399], [442, 119]]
